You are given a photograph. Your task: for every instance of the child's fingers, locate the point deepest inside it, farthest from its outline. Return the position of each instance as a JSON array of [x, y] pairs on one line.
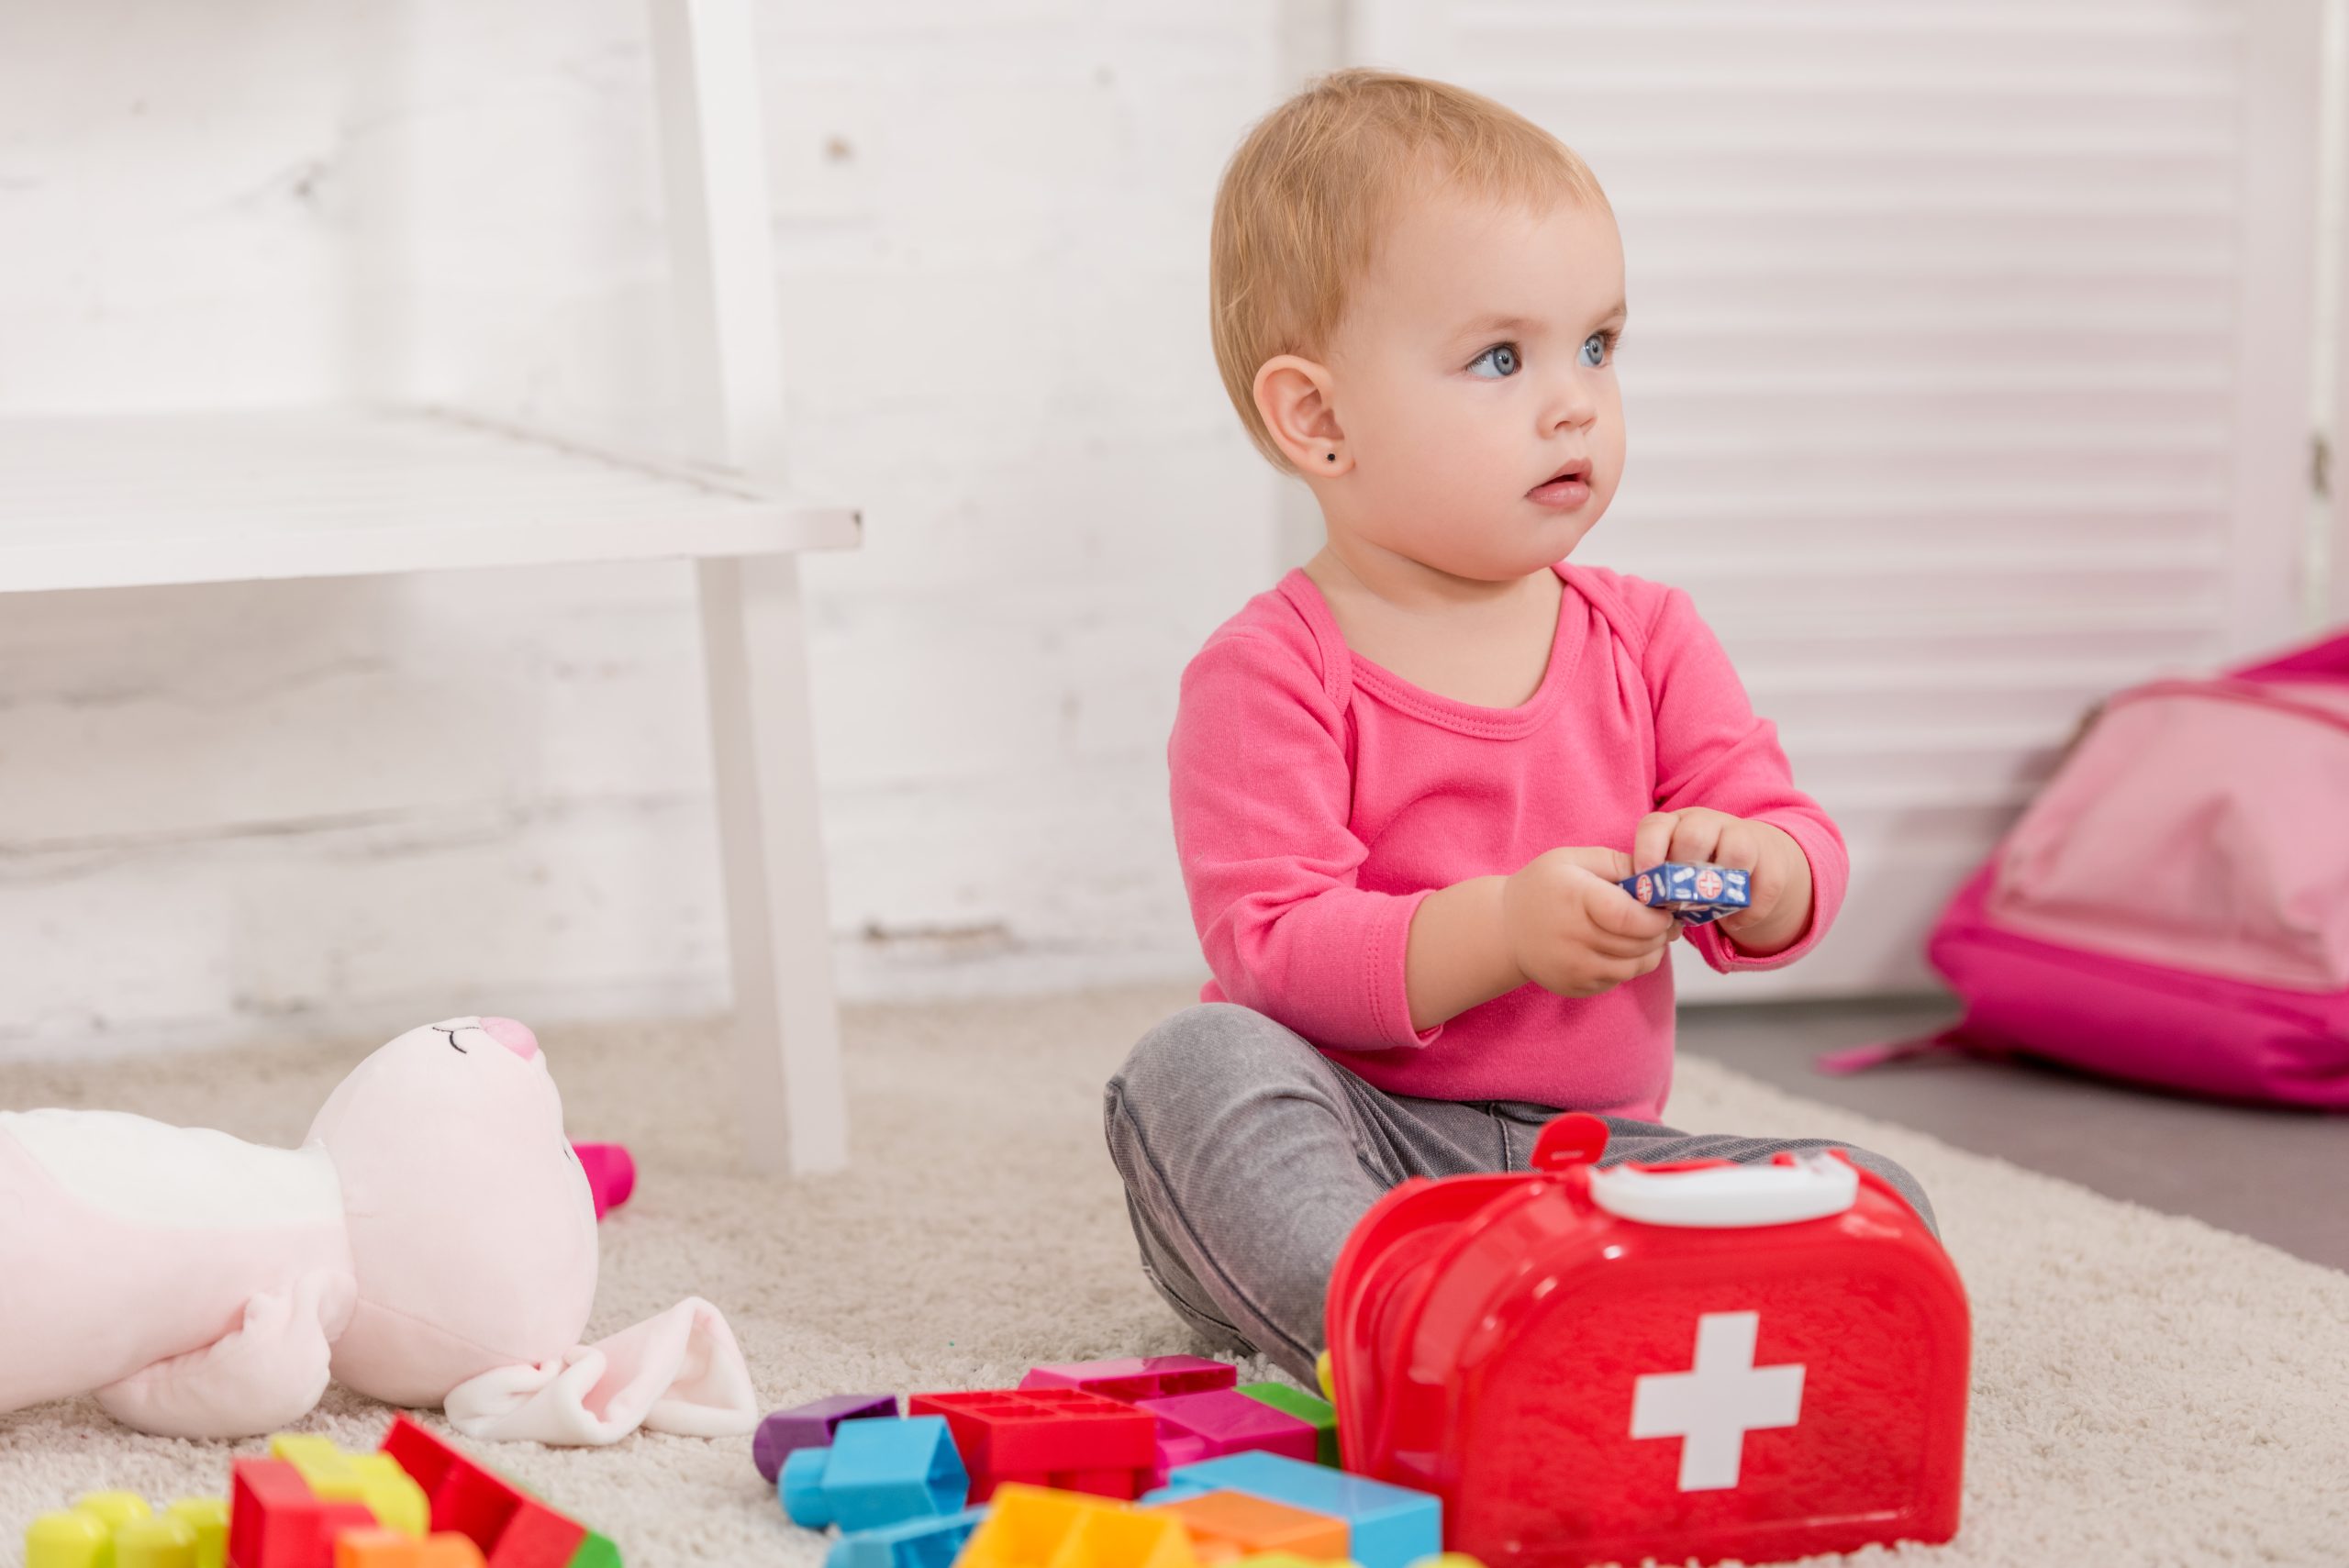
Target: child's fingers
[[1617, 914], [1608, 866], [1652, 840]]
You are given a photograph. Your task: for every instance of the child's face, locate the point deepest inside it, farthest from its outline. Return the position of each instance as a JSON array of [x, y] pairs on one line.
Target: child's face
[[1474, 364]]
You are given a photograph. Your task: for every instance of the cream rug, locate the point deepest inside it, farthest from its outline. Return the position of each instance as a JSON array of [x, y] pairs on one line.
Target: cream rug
[[2148, 1390]]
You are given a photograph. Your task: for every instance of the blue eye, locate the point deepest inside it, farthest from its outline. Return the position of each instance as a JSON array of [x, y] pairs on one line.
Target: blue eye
[[1502, 359], [1594, 350]]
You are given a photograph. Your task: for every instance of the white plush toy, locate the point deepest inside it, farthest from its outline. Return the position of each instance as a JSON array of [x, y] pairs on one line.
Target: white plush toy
[[432, 1242]]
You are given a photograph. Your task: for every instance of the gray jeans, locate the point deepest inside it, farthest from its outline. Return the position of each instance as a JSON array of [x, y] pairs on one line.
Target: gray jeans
[[1248, 1156]]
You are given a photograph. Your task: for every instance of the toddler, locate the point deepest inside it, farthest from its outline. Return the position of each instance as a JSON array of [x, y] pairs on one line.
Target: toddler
[[1407, 777]]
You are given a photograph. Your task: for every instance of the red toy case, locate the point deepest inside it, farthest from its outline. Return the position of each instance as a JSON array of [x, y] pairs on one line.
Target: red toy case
[[1705, 1360]]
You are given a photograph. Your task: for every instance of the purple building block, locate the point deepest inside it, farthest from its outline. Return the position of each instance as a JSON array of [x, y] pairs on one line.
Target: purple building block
[[1192, 1427], [1136, 1378], [811, 1426]]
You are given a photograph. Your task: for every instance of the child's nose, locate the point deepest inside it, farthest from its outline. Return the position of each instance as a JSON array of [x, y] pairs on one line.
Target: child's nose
[[514, 1036]]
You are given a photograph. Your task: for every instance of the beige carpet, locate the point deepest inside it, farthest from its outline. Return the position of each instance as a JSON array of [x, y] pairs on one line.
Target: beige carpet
[[2148, 1390]]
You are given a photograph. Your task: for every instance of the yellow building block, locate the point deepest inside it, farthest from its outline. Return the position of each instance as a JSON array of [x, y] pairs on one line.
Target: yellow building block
[[68, 1540], [155, 1542], [1325, 1373], [118, 1529], [115, 1507], [372, 1479], [209, 1517], [1032, 1527]]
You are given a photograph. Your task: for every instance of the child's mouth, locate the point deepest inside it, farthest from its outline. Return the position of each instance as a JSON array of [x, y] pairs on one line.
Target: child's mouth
[[1565, 490]]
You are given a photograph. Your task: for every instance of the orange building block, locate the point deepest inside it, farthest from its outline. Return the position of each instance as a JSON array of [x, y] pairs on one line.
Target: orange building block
[[1031, 1526], [1227, 1526], [395, 1549]]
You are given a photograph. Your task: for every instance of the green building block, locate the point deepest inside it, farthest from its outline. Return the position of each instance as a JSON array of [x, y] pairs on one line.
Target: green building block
[[594, 1552], [1305, 1408]]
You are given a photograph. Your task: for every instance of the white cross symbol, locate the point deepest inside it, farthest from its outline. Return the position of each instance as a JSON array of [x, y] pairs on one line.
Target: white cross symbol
[[1715, 1406]]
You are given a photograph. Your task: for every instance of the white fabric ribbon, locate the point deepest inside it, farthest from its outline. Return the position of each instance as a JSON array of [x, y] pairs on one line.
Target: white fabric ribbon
[[679, 1372]]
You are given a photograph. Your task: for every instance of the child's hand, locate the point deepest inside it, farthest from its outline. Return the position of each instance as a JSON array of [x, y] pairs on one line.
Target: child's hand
[[1573, 932], [1781, 872]]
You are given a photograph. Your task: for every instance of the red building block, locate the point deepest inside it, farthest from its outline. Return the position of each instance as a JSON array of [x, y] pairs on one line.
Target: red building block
[[1063, 1438], [512, 1528], [274, 1520], [1136, 1377]]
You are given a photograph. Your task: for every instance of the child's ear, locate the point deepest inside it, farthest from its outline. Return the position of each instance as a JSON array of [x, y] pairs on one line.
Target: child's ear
[[1293, 397]]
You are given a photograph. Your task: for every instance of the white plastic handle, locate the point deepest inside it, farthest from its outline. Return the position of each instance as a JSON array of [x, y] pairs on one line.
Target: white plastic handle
[[1724, 1198]]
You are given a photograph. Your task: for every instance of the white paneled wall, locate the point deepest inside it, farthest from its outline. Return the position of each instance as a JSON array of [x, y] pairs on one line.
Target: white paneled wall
[[1961, 379], [351, 804], [1967, 369]]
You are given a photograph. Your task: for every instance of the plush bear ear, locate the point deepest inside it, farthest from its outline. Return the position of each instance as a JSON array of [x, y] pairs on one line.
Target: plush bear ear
[[679, 1372]]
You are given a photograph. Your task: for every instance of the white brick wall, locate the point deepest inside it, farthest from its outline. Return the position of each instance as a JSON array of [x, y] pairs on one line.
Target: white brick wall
[[297, 807]]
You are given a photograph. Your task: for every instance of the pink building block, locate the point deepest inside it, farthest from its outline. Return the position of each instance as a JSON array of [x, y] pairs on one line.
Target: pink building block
[[1196, 1426], [611, 1173], [1136, 1378]]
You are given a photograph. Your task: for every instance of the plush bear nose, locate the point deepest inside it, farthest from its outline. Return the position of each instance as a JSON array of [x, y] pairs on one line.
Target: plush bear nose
[[514, 1036]]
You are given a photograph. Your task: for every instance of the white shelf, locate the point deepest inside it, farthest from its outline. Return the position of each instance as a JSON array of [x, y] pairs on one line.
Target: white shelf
[[108, 501]]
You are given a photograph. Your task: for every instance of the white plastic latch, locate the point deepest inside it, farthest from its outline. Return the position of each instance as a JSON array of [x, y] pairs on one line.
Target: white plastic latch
[[1726, 1197]]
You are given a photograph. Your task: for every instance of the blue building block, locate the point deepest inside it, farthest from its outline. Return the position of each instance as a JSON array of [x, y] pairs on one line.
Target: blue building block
[[1173, 1491], [916, 1543], [877, 1473], [1390, 1527]]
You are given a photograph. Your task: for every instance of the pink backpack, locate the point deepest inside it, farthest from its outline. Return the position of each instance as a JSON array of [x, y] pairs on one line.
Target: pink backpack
[[2174, 907]]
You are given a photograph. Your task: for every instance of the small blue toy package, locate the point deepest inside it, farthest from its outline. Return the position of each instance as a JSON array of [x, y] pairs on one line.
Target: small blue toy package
[[1694, 892]]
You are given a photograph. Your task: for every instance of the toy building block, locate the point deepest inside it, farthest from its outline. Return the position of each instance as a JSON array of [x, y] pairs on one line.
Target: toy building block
[[1195, 1426], [1174, 1491], [1231, 1527], [811, 1425], [1063, 1438], [68, 1539], [914, 1543], [397, 1549], [1315, 1413], [611, 1173], [117, 1528], [1391, 1527], [1029, 1527], [874, 1474], [154, 1540], [594, 1552], [207, 1519], [374, 1480], [1136, 1377], [512, 1528], [1694, 890], [1325, 1373], [276, 1521]]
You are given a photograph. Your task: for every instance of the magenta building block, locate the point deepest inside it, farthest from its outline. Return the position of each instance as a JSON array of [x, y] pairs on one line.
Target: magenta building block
[[1137, 1378], [811, 1426], [1227, 1421], [611, 1173]]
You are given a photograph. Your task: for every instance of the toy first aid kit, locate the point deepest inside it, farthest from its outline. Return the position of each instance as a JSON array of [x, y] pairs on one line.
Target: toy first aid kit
[[1705, 1360]]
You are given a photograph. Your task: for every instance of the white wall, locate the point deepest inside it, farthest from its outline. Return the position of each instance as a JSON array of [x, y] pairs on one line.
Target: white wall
[[290, 807]]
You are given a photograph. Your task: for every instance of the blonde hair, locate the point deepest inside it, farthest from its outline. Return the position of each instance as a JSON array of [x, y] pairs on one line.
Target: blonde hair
[[1303, 203]]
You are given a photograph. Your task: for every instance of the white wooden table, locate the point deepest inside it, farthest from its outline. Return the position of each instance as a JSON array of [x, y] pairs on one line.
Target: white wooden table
[[129, 500]]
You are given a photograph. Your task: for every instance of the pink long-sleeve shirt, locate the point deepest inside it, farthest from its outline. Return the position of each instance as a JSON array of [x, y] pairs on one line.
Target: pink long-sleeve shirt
[[1319, 797]]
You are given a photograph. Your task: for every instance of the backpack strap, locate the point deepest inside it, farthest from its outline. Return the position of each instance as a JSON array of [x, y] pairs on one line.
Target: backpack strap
[[1860, 1058]]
